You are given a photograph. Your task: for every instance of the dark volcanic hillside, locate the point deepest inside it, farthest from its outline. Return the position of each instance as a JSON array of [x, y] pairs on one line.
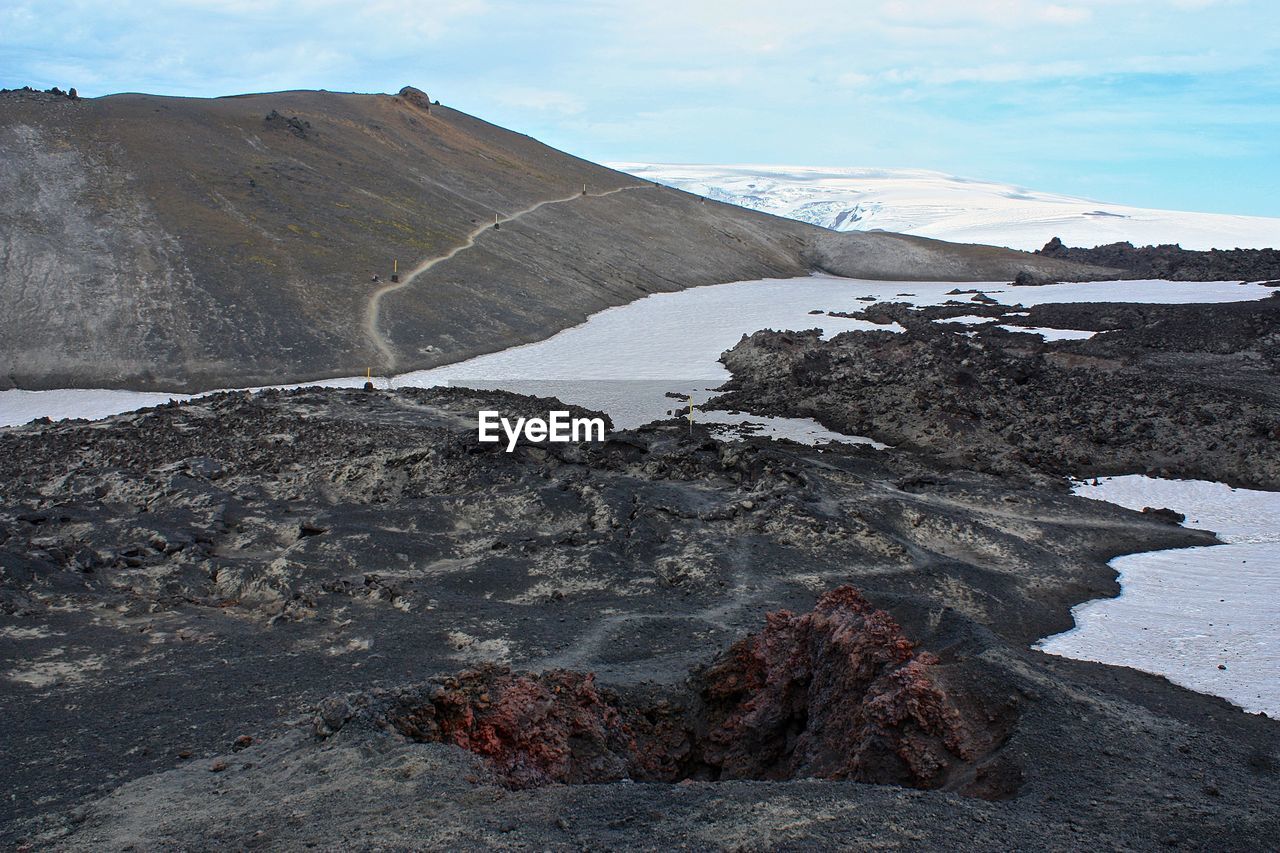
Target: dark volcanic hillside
[[184, 243]]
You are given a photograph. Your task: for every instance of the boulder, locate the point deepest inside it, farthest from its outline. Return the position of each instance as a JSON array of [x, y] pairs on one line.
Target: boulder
[[416, 97]]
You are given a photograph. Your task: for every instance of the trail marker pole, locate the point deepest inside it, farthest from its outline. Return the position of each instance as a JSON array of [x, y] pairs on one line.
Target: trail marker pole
[[395, 271]]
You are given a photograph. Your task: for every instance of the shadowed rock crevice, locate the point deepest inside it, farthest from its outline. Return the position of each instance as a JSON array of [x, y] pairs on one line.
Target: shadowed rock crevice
[[837, 693]]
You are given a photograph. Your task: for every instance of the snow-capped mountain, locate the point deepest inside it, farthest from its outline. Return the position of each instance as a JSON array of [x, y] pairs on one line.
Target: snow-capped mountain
[[933, 204]]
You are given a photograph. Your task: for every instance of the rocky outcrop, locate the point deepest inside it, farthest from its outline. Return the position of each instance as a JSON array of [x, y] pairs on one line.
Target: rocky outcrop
[[1178, 391], [297, 126], [417, 97], [838, 693], [1172, 261], [557, 726]]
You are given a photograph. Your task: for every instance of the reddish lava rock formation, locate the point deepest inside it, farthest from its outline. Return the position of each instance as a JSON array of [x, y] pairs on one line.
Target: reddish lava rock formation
[[554, 727], [838, 693]]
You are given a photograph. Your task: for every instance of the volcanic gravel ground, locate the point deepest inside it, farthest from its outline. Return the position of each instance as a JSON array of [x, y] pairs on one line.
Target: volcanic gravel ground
[[198, 600]]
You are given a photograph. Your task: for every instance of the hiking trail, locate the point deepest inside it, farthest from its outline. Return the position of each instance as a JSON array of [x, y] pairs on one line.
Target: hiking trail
[[374, 309]]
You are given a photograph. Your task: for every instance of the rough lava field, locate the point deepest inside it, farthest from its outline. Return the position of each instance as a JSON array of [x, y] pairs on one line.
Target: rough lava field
[[1182, 391], [330, 617]]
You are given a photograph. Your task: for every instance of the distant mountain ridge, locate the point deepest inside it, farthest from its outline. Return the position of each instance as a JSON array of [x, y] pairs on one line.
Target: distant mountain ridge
[[946, 207]]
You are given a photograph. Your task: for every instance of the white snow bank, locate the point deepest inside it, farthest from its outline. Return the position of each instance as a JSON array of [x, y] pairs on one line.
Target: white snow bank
[[19, 407], [1052, 334], [799, 430], [1185, 613], [968, 319]]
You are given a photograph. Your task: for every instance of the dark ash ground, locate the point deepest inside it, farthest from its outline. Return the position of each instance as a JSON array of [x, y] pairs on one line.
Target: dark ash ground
[[212, 611]]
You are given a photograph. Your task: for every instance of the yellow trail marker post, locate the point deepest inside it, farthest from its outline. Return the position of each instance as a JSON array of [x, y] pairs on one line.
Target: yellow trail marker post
[[395, 270], [584, 189]]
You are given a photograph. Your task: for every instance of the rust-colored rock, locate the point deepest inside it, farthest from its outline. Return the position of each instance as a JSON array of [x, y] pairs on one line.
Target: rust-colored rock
[[534, 729], [837, 693]]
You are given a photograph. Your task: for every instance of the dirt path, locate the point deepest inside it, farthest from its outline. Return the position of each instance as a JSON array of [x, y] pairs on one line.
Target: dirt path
[[374, 309]]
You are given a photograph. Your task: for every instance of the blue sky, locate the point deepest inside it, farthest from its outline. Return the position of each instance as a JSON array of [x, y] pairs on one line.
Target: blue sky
[[1164, 103]]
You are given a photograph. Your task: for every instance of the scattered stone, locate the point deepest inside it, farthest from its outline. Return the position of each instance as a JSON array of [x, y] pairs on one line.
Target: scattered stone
[[1028, 278], [1165, 514], [413, 507], [297, 126]]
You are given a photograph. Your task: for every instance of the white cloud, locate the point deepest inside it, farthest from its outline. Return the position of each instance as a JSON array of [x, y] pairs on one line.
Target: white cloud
[[1066, 14], [854, 80], [1004, 14], [543, 100]]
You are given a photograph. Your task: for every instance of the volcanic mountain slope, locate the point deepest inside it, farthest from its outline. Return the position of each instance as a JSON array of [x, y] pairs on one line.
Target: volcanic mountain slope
[[184, 244]]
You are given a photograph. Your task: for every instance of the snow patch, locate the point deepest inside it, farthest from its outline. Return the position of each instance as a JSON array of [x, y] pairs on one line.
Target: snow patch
[[1052, 334], [1207, 618], [968, 319]]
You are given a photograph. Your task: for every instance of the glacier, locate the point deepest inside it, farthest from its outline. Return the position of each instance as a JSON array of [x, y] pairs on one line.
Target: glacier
[[948, 207]]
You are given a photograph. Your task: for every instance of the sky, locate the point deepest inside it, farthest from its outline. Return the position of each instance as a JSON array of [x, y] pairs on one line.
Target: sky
[[1159, 103]]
